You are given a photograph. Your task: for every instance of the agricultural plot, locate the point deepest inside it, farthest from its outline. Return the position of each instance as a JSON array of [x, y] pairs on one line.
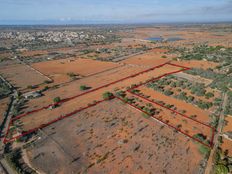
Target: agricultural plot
[[228, 123], [112, 138], [22, 76], [73, 88], [150, 58], [197, 64], [195, 93], [61, 70], [227, 146], [42, 116], [97, 81], [174, 119], [178, 105]]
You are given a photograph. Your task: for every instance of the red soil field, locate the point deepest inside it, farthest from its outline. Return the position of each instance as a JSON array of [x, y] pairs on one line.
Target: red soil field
[[227, 145], [58, 69], [111, 138], [196, 64], [228, 125], [188, 126], [42, 117], [181, 105], [99, 80], [151, 58]]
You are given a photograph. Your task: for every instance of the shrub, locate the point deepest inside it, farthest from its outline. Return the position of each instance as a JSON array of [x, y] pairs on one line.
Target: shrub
[[209, 95], [83, 87], [221, 169], [107, 95], [168, 92], [204, 150], [200, 137], [56, 100], [47, 81]]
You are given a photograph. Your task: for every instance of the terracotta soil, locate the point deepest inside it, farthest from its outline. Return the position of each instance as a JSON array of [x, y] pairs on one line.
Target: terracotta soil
[[150, 58], [227, 145], [113, 138], [58, 69], [197, 64], [228, 125], [202, 115], [186, 125]]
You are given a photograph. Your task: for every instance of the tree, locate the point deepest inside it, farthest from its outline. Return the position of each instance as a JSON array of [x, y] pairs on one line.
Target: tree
[[107, 95], [56, 100], [221, 169]]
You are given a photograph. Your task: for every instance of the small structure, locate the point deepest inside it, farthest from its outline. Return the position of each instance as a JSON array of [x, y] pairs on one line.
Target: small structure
[[33, 94]]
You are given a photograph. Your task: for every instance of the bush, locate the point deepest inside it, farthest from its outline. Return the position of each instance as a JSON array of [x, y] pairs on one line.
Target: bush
[[47, 81], [168, 92], [209, 95], [72, 75], [200, 137], [221, 169], [56, 100], [146, 115], [107, 95], [164, 56], [83, 87], [204, 150]]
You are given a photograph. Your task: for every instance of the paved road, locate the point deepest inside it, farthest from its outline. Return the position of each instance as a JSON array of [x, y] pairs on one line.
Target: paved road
[[218, 133]]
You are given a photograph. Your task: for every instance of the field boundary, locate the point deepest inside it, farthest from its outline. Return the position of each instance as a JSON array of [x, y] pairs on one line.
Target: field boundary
[[5, 140]]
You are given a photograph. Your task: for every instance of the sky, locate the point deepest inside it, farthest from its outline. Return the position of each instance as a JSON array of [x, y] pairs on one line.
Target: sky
[[113, 11]]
